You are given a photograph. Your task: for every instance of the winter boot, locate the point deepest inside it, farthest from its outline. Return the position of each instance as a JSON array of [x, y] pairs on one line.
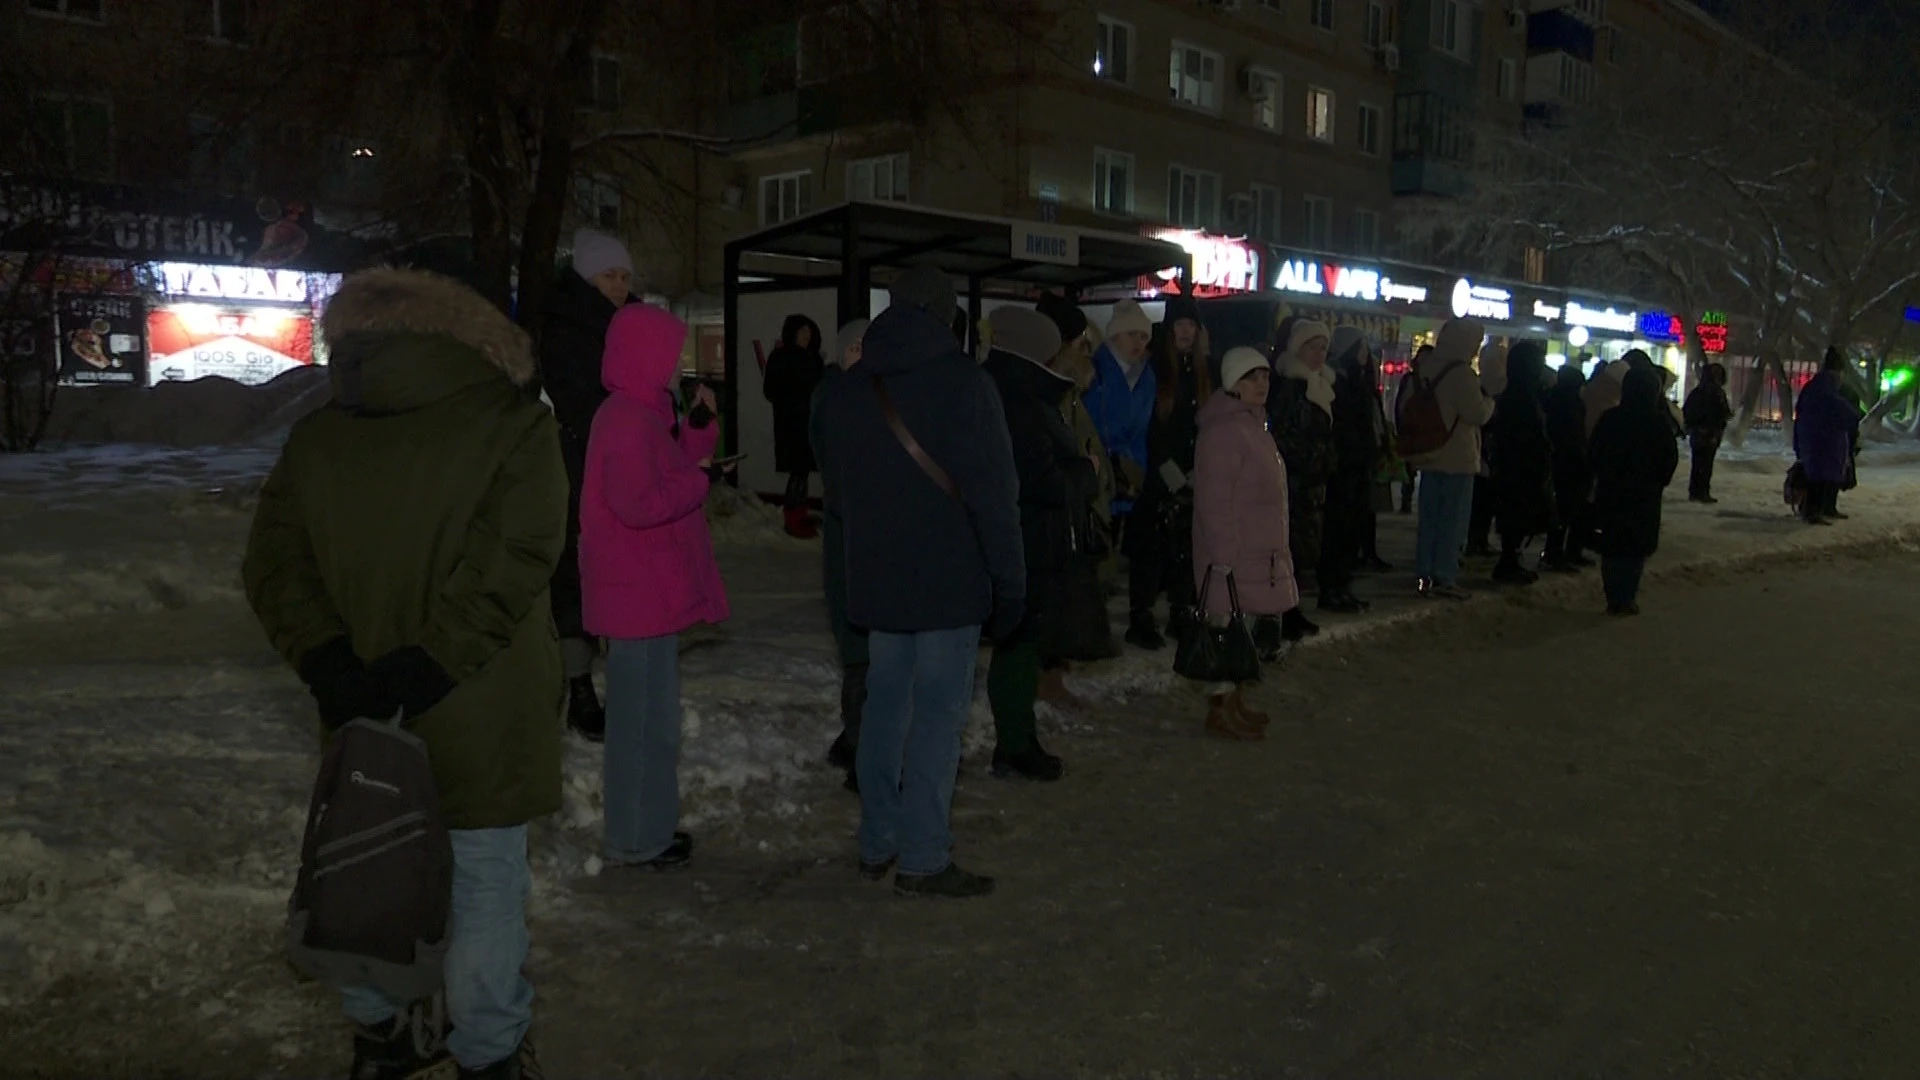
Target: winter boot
[[1224, 722], [1053, 691], [1237, 701], [585, 715], [952, 883], [1142, 634], [523, 1065], [800, 523], [853, 702], [1035, 764], [1342, 604], [411, 1046], [1508, 571], [1294, 625], [1268, 639]]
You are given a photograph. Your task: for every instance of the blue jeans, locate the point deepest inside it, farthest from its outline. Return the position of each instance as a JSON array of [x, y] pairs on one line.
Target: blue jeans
[[919, 691], [640, 769], [1621, 579], [489, 1000], [1446, 507]]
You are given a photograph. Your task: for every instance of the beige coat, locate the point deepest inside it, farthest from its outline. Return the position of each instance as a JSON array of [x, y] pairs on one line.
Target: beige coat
[[1463, 404]]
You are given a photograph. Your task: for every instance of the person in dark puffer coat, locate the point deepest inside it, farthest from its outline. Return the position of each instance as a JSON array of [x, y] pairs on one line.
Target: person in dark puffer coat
[[1634, 458], [1300, 417], [794, 371], [1572, 474], [1522, 462], [1357, 434]]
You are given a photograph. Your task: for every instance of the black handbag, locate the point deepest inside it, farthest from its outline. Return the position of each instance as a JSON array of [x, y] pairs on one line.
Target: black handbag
[[1215, 653]]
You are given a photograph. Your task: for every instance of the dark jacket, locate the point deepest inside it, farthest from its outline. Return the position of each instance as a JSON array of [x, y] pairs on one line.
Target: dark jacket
[[1707, 411], [1057, 482], [792, 375], [851, 644], [428, 515], [573, 333], [1824, 424], [1567, 432], [1304, 433], [1634, 458], [1181, 384], [1520, 454], [917, 558]]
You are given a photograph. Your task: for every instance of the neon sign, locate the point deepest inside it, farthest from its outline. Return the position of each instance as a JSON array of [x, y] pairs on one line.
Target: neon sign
[[1472, 301], [1545, 311], [202, 282], [1220, 264], [1712, 332], [1662, 326], [1620, 322], [1344, 282]]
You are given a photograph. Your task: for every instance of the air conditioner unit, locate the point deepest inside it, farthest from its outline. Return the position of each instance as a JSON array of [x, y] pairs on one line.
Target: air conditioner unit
[[1390, 56], [1255, 85]]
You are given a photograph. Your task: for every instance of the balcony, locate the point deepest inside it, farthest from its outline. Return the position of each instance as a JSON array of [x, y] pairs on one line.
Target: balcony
[[1562, 30]]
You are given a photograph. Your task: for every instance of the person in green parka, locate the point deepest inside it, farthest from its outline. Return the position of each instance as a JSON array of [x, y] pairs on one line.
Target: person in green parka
[[399, 560], [850, 642]]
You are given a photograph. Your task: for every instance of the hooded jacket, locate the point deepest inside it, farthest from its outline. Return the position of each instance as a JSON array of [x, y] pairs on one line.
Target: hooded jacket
[[573, 333], [646, 559], [1634, 459], [1057, 482], [1824, 423], [1521, 452], [792, 375], [1567, 431], [917, 558], [1240, 514], [1463, 406], [1122, 413], [426, 507]]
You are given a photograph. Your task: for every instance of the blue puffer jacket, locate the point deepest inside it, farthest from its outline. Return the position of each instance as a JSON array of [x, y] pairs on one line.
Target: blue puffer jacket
[[1121, 413]]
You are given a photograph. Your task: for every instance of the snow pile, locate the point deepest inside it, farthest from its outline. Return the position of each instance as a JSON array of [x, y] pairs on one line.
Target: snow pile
[[213, 411], [736, 516], [47, 585]]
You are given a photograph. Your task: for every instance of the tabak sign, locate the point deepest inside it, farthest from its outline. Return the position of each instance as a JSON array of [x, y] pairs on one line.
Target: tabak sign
[[1222, 265], [1310, 278], [101, 342], [251, 346]]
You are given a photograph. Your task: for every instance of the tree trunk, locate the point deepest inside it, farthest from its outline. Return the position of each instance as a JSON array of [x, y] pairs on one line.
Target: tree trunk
[[1749, 403], [488, 177], [540, 229]]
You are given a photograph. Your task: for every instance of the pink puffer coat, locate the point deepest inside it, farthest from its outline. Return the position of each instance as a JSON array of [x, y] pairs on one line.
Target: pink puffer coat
[[646, 559], [1240, 510]]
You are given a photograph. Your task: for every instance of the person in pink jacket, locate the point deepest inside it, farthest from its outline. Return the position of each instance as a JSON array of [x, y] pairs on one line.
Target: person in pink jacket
[[1240, 520], [647, 573]]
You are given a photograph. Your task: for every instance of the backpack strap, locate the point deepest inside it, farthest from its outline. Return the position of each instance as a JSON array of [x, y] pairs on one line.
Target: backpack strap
[[1444, 372], [912, 445]]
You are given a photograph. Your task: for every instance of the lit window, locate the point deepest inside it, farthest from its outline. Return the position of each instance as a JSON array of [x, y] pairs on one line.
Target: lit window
[[1193, 199], [1113, 51], [1113, 174], [881, 179], [785, 197], [1193, 77], [1320, 113]]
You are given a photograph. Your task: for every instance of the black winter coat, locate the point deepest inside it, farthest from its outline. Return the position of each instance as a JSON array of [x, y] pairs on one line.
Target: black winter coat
[[1521, 460], [1634, 458], [1057, 482], [793, 373], [1707, 410], [1567, 431], [917, 558], [573, 334], [1304, 432]]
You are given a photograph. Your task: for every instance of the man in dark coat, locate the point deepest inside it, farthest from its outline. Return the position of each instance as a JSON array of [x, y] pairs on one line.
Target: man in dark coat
[[1572, 474], [1056, 477], [399, 561], [1825, 423], [794, 371], [1357, 436], [919, 454], [1521, 462], [573, 332], [1707, 414], [1634, 459]]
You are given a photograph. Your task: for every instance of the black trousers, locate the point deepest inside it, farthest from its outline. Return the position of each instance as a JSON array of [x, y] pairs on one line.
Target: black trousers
[[1706, 447], [1340, 538], [1822, 500], [796, 491], [1159, 560], [1480, 524]]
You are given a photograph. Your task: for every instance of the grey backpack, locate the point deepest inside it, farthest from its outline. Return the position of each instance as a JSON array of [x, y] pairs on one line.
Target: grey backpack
[[371, 904]]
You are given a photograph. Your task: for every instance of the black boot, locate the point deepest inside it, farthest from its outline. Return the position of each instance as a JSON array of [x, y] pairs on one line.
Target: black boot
[[1142, 634], [1268, 639], [412, 1044], [1294, 625], [585, 715], [1508, 571], [1033, 763], [853, 701]]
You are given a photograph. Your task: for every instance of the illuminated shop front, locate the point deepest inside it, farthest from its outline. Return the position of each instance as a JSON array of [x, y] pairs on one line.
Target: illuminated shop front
[[244, 323]]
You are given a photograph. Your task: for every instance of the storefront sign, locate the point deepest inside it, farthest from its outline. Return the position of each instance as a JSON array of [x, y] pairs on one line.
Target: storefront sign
[[1713, 332], [1221, 264], [1056, 247], [1472, 301], [1545, 312], [202, 282], [1662, 326], [248, 345], [1619, 322], [101, 340], [143, 225], [1344, 282]]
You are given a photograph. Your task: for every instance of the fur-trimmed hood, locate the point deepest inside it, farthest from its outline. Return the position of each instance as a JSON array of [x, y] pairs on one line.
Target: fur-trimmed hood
[[395, 300]]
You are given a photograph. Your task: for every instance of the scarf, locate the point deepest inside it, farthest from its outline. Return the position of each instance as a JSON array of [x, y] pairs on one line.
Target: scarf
[[1319, 383]]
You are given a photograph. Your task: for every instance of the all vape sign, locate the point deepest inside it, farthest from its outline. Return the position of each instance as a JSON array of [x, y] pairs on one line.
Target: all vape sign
[[1343, 282]]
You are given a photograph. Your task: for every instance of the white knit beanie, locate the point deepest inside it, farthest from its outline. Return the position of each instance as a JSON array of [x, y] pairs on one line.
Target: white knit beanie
[[1240, 360], [594, 253], [1127, 315]]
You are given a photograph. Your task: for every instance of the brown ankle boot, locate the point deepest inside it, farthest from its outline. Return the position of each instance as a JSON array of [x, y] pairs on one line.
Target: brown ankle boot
[[1237, 701], [1223, 722]]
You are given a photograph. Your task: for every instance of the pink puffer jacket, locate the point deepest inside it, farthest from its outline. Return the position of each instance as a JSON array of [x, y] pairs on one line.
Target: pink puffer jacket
[[1240, 510], [646, 559]]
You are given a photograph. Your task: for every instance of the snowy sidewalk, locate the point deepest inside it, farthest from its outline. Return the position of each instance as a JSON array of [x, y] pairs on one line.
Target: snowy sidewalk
[[156, 756]]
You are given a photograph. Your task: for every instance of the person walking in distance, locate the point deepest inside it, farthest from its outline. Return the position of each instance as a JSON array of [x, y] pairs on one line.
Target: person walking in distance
[[794, 371], [1241, 520], [573, 333], [400, 560], [1160, 536], [1707, 414], [918, 449], [1056, 479], [1439, 424], [850, 642], [1572, 474], [1522, 462], [1634, 459], [648, 572]]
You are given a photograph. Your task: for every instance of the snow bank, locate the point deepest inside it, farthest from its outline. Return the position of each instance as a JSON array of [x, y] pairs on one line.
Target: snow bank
[[205, 412]]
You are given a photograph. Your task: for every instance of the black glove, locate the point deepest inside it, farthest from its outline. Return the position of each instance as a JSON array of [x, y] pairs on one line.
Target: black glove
[[1009, 614], [342, 687], [412, 678]]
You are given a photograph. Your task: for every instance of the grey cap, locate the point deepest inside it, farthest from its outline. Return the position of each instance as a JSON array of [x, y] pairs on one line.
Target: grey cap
[[928, 289], [1026, 333]]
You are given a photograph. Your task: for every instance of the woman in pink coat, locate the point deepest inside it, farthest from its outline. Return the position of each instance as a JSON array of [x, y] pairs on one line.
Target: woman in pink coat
[[647, 572], [1240, 520]]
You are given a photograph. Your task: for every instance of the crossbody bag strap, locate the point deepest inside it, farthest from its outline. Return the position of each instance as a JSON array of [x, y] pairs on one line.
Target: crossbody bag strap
[[912, 445]]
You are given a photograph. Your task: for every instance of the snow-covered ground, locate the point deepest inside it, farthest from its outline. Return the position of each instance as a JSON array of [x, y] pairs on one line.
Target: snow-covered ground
[[155, 755]]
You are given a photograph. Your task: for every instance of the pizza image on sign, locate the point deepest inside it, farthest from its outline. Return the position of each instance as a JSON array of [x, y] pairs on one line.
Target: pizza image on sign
[[250, 346]]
